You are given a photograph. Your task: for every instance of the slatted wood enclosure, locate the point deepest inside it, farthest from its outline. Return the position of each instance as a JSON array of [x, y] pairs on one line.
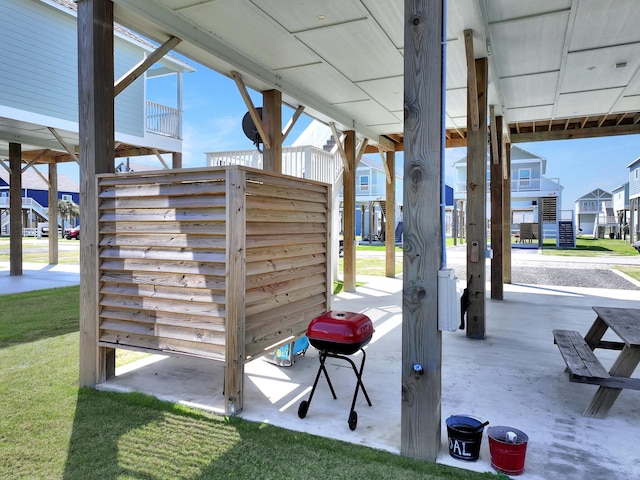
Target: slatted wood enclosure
[[223, 263]]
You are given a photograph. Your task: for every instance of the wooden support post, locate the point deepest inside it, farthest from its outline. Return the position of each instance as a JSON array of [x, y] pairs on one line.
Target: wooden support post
[[97, 151], [477, 208], [272, 121], [423, 134], [15, 209], [53, 213], [506, 212], [176, 160], [235, 288], [390, 215], [349, 212], [497, 208]]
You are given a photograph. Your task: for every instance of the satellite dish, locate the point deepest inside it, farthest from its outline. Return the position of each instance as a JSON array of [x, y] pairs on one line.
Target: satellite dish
[[250, 130]]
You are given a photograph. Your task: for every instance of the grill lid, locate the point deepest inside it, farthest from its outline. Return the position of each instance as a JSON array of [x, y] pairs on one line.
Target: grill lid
[[341, 327]]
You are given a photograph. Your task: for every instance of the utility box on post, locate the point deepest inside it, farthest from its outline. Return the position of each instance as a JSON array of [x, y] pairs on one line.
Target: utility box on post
[[448, 300]]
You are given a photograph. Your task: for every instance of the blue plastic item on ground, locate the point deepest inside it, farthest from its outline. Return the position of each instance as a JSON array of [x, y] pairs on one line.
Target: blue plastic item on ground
[[285, 356]]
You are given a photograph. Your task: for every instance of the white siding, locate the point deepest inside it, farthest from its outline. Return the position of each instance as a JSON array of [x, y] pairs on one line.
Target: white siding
[[38, 66], [38, 60]]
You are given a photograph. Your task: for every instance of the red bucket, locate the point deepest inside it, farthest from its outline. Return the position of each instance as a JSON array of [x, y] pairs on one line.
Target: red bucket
[[508, 448]]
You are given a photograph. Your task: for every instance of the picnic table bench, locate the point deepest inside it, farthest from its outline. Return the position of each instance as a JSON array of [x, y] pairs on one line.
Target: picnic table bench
[[584, 367]]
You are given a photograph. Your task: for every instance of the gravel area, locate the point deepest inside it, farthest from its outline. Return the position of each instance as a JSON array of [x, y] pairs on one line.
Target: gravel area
[[571, 277]]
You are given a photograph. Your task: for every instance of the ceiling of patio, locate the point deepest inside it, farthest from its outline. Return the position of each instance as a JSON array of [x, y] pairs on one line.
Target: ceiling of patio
[[557, 68]]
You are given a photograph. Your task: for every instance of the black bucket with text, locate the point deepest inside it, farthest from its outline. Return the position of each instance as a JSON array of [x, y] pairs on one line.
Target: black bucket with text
[[465, 437]]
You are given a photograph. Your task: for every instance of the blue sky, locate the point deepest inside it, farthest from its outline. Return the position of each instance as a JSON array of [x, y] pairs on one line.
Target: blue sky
[[213, 111]]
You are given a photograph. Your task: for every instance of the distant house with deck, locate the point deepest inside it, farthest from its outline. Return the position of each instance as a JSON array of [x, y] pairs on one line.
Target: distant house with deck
[[595, 215], [634, 199], [535, 199]]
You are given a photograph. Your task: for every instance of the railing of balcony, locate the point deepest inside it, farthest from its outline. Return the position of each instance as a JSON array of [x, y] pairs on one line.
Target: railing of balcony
[[163, 120], [522, 185], [304, 162]]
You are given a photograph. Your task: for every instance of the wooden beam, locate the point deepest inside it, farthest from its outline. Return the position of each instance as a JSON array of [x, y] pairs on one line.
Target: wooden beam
[[349, 211], [495, 155], [424, 40], [160, 159], [133, 74], [292, 122], [341, 149], [235, 260], [15, 209], [387, 172], [96, 127], [497, 206], [52, 181], [506, 219], [64, 144], [255, 116], [361, 150], [390, 214], [176, 160], [272, 122], [472, 92], [589, 132], [476, 207]]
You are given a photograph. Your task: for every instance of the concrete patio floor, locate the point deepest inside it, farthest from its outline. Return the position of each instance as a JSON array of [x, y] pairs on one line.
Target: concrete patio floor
[[513, 378]]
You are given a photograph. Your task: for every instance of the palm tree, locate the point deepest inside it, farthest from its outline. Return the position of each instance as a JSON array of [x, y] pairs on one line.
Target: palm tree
[[67, 209]]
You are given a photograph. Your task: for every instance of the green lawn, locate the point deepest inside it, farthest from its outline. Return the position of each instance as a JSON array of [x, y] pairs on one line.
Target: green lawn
[[590, 247], [50, 429]]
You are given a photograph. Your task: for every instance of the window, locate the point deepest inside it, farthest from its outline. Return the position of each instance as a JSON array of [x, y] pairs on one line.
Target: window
[[524, 176], [67, 198], [364, 183], [636, 174]]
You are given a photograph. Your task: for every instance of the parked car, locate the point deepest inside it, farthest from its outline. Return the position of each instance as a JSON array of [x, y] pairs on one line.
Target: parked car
[[637, 246], [73, 233]]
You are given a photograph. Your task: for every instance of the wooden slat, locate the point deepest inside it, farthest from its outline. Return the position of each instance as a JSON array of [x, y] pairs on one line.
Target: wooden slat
[[624, 321], [143, 292], [277, 316], [203, 214], [136, 190], [259, 328], [273, 216], [284, 251], [262, 228], [274, 301], [281, 264], [579, 358], [187, 175], [263, 279], [152, 304], [166, 254], [162, 241], [255, 176], [260, 241], [179, 266], [162, 345], [194, 200], [166, 226], [196, 335], [213, 284], [154, 351], [274, 290], [258, 203], [284, 192], [210, 322]]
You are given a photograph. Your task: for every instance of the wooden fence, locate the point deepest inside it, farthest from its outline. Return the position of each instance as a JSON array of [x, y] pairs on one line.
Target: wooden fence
[[223, 263]]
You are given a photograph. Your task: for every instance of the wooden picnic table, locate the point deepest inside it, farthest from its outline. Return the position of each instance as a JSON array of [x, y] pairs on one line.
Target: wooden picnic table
[[584, 366]]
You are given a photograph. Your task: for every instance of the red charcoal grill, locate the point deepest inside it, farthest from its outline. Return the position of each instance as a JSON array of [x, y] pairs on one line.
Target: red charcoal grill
[[336, 335]]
